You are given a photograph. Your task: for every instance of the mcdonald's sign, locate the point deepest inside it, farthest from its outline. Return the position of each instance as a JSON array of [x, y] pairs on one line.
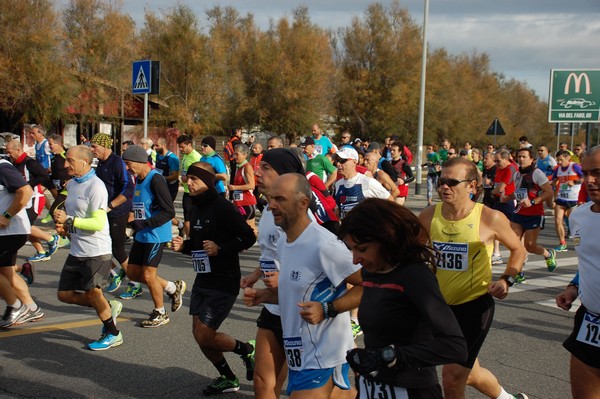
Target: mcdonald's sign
[[574, 95]]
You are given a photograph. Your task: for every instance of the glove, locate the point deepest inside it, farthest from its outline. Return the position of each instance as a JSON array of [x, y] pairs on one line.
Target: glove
[[369, 361], [138, 225]]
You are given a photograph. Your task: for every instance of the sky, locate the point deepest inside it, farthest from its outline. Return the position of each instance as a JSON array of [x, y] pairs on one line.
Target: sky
[[525, 39]]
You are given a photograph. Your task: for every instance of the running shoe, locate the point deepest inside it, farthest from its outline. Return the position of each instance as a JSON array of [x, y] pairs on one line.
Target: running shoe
[[356, 330], [156, 319], [561, 248], [520, 277], [521, 396], [39, 257], [115, 282], [497, 260], [551, 260], [31, 315], [222, 385], [63, 242], [12, 316], [28, 272], [53, 244], [106, 341], [47, 219], [249, 361], [177, 296], [133, 290]]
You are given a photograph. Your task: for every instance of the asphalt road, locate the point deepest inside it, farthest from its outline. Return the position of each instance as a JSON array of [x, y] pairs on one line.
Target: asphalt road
[[49, 359]]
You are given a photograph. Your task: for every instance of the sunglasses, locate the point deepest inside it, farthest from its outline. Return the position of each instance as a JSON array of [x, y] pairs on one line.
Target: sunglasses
[[205, 145], [342, 160], [451, 182], [451, 153]]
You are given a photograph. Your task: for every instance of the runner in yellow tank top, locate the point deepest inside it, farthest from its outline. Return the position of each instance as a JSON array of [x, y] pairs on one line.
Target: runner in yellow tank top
[[464, 268], [463, 232]]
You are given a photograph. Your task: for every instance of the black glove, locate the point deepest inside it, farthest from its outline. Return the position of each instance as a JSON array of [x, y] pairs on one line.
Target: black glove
[[138, 225], [369, 361]]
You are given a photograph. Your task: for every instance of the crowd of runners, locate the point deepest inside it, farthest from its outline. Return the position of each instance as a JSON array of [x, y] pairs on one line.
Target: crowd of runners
[[340, 256]]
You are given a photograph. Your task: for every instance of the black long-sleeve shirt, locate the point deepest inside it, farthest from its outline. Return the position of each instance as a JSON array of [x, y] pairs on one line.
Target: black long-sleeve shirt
[[217, 220], [405, 308]]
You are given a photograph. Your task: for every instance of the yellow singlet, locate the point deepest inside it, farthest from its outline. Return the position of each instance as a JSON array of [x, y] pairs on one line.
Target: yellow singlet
[[464, 268]]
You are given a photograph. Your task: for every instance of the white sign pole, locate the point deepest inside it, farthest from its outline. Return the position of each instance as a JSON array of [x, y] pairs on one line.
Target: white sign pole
[[145, 115], [422, 101]]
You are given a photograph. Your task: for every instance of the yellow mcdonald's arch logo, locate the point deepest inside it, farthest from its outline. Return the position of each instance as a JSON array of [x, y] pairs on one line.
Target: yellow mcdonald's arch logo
[[578, 80]]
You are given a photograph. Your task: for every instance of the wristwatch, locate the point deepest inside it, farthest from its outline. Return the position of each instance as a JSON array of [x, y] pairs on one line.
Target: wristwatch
[[510, 280], [331, 311], [388, 355]]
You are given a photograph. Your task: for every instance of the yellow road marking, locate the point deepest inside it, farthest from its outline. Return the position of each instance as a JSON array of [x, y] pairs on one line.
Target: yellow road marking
[[53, 327]]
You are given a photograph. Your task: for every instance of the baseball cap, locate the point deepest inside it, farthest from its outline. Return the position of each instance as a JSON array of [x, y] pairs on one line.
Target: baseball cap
[[308, 141], [347, 153]]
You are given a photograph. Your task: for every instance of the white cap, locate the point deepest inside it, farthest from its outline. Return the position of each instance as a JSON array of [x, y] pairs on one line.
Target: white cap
[[347, 153]]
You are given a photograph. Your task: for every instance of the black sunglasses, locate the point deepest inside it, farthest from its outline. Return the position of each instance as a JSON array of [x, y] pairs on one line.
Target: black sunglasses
[[205, 145], [451, 182], [341, 160]]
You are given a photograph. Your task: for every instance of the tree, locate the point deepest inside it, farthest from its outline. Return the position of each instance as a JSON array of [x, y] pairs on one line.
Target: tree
[[289, 75], [378, 57], [100, 44], [34, 86], [175, 40]]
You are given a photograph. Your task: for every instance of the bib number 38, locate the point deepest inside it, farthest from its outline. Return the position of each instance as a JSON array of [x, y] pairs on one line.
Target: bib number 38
[[294, 352]]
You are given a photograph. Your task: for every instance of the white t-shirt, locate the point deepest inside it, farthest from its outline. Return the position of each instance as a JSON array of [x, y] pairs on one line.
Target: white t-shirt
[[351, 192], [11, 179], [584, 225], [313, 268], [268, 235], [83, 199]]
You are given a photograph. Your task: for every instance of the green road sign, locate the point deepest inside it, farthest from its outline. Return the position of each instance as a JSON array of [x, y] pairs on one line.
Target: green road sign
[[574, 95]]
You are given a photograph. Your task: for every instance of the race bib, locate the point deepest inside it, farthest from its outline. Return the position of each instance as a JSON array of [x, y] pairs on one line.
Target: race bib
[[589, 332], [200, 261], [521, 194], [139, 211], [294, 352], [238, 195], [377, 390], [267, 266], [565, 191], [453, 256]]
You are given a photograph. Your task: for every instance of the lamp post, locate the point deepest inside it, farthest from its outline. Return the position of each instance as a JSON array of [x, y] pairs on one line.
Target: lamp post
[[422, 101]]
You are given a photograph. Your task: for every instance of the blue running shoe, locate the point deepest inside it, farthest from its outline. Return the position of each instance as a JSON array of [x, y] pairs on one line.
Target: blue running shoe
[[561, 248], [115, 282], [39, 257], [53, 245], [132, 292], [106, 341]]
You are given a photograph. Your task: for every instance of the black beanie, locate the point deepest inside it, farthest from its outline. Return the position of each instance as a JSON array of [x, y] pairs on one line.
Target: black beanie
[[206, 176], [283, 160], [210, 140]]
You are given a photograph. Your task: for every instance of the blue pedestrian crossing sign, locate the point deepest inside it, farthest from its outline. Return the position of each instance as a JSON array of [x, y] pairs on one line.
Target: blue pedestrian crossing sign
[[141, 82]]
